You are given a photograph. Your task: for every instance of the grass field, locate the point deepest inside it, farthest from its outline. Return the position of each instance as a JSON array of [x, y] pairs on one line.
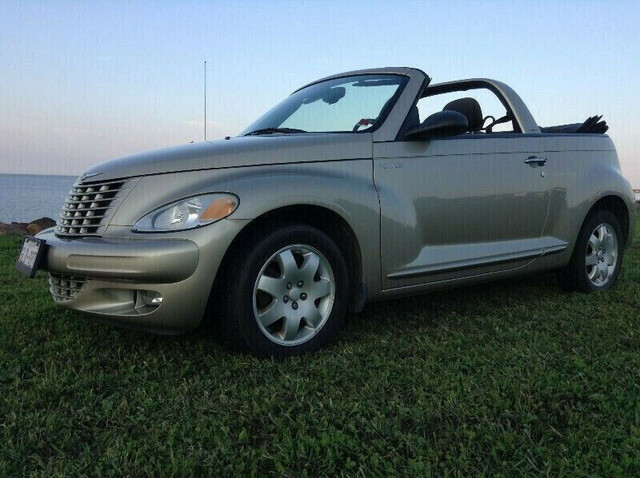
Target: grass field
[[509, 378]]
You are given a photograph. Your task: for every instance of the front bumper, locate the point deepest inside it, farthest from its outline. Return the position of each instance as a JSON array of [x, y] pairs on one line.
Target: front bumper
[[160, 283]]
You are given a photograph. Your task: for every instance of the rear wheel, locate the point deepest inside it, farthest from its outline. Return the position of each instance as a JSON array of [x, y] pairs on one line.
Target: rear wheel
[[289, 294], [597, 257]]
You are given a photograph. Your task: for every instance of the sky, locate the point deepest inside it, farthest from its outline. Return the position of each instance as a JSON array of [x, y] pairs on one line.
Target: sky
[[82, 82]]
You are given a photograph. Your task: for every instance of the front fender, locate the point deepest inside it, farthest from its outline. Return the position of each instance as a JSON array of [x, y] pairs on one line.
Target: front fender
[[344, 187]]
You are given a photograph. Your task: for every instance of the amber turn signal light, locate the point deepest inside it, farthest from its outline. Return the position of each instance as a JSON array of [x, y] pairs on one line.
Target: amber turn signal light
[[219, 209]]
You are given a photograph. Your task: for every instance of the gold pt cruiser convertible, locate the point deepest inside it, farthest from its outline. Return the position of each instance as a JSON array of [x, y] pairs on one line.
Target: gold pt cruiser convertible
[[357, 187]]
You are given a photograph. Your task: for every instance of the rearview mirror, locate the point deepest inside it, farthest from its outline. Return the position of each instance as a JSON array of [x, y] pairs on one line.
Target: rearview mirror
[[333, 95], [328, 95], [442, 123]]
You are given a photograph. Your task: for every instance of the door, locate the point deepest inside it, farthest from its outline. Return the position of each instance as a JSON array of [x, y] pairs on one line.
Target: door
[[460, 206]]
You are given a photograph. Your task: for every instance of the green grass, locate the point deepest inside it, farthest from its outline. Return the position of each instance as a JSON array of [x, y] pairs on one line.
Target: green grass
[[503, 379]]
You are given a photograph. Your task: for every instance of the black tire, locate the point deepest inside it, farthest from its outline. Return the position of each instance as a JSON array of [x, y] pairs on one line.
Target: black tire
[[574, 276], [239, 323]]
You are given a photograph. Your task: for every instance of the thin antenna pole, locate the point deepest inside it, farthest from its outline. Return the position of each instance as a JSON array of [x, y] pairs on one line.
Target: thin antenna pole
[[205, 100]]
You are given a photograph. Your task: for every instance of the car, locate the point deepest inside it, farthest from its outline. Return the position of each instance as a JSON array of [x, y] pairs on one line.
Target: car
[[361, 186]]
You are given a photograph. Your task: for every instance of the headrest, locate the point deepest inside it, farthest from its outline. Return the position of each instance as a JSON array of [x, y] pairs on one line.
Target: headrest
[[470, 108]]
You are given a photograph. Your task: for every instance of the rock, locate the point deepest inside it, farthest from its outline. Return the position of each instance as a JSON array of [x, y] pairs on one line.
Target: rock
[[33, 229], [40, 224], [23, 228]]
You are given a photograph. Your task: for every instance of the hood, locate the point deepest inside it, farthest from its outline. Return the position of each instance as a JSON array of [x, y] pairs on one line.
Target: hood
[[237, 152]]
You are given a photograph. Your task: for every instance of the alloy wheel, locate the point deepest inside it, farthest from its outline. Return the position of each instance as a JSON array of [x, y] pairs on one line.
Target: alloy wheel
[[601, 255], [293, 294]]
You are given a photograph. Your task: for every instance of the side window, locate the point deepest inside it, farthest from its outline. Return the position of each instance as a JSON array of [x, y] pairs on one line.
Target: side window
[[492, 108]]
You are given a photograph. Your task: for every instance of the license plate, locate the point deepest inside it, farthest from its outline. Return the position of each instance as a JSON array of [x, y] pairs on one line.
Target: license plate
[[30, 256]]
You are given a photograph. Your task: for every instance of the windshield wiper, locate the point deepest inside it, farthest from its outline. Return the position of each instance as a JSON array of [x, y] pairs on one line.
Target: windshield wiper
[[274, 130]]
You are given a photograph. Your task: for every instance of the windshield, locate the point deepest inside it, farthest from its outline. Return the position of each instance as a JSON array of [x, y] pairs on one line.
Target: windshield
[[349, 104]]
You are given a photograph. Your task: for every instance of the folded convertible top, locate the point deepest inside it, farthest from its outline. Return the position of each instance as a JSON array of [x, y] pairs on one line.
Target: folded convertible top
[[593, 125]]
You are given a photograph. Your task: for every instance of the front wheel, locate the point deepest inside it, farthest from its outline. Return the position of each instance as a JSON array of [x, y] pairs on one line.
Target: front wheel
[[289, 295], [597, 257]]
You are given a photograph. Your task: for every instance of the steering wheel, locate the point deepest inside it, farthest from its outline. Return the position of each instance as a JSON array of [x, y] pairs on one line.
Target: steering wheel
[[363, 122]]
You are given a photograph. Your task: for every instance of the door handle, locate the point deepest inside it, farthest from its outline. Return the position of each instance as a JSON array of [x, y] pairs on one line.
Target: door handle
[[536, 160]]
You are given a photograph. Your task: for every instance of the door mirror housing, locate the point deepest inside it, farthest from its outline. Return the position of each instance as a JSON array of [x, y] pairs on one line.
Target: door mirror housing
[[442, 123]]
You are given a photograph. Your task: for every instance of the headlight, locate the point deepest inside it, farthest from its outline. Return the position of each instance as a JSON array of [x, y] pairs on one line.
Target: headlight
[[188, 213]]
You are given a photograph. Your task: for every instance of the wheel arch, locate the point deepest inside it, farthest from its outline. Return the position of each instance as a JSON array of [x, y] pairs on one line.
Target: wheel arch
[[616, 206], [572, 276], [324, 219]]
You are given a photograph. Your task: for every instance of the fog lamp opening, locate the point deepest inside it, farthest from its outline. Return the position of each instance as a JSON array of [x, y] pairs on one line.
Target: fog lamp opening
[[147, 298]]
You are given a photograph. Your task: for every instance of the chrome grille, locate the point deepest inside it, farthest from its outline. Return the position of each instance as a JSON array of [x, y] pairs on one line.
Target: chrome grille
[[63, 287], [89, 207]]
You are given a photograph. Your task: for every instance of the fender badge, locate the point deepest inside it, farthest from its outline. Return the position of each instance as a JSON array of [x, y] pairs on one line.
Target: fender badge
[[393, 165]]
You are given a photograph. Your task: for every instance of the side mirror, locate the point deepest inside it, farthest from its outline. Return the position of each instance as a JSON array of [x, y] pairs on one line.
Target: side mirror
[[442, 123]]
